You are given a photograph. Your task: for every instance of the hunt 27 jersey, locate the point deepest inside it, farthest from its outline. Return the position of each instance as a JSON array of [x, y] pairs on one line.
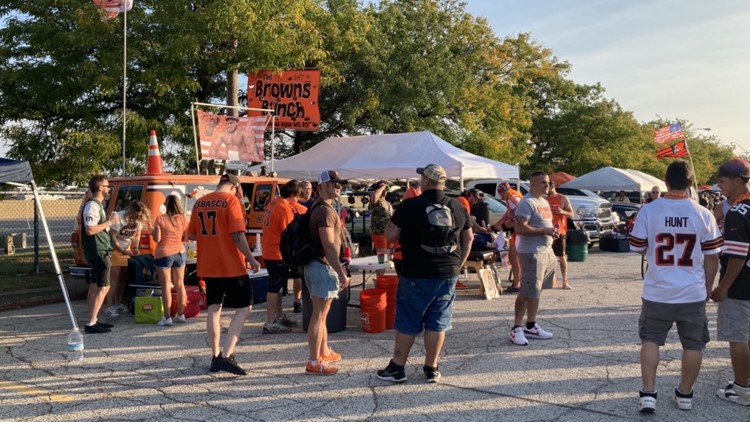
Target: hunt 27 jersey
[[675, 233]]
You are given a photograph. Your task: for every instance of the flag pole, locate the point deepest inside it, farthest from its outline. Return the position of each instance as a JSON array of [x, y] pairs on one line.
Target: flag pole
[[124, 83], [687, 148]]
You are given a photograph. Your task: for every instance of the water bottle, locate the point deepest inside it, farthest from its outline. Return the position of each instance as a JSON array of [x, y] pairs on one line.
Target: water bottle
[[75, 345]]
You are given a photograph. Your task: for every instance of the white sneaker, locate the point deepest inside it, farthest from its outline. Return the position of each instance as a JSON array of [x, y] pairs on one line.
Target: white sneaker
[[517, 337], [735, 394], [536, 332], [165, 322], [647, 402], [111, 312], [179, 318], [684, 401]]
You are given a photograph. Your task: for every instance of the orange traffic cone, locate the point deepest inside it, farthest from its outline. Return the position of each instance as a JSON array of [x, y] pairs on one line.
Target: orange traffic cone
[[154, 165]]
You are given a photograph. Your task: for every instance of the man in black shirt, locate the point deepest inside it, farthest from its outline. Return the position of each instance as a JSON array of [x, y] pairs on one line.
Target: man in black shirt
[[435, 235]]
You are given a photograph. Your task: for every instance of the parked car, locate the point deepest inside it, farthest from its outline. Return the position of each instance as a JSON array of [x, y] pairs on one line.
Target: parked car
[[592, 212], [626, 212]]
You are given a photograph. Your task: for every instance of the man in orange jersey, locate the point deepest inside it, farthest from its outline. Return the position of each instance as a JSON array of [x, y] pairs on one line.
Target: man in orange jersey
[[217, 224], [561, 211], [279, 213], [512, 197]]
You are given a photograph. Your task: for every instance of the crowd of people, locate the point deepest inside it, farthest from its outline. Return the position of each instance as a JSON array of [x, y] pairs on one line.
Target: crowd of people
[[433, 235]]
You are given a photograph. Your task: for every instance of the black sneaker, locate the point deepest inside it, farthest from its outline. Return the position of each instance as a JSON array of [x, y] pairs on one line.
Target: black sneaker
[[95, 329], [228, 364], [104, 324], [511, 290], [393, 373], [214, 366], [432, 374], [297, 307]]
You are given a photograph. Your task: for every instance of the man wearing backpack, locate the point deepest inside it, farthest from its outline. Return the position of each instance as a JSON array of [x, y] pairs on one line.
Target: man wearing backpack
[[324, 275], [435, 235], [535, 231]]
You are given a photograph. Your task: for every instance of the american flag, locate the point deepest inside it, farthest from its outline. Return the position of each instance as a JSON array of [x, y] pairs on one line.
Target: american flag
[[668, 133], [677, 150]]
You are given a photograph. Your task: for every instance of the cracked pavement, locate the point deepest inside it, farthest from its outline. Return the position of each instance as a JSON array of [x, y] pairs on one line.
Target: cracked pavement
[[588, 372]]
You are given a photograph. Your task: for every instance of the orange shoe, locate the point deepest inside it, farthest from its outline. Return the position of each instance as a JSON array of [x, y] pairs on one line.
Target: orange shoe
[[322, 368], [331, 356]]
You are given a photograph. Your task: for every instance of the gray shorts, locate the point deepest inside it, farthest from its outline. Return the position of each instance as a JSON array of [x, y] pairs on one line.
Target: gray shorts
[[321, 280], [537, 270], [733, 321], [657, 319]]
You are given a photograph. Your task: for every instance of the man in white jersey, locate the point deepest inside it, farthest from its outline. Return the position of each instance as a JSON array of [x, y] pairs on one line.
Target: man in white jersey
[[681, 242]]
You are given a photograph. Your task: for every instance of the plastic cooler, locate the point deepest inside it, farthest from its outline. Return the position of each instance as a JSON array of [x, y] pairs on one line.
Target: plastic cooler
[[336, 319], [260, 285], [193, 306]]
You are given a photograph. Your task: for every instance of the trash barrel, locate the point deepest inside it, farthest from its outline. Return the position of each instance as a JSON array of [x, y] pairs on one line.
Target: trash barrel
[[577, 245], [336, 319], [389, 283], [372, 304]]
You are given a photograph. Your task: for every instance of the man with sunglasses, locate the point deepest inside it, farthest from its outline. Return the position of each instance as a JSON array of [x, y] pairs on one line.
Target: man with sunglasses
[[533, 225], [97, 248], [324, 276]]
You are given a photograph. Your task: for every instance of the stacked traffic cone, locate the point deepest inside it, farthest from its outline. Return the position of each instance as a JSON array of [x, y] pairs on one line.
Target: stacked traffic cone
[[154, 165]]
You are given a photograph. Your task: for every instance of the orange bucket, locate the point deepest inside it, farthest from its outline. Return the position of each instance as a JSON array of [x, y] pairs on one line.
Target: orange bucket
[[372, 303], [389, 283]]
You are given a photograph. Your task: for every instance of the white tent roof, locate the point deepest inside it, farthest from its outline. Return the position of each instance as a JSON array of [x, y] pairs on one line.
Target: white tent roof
[[393, 156], [614, 179]]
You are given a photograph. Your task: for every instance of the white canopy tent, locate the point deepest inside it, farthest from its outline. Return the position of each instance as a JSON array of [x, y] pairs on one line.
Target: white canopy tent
[[614, 179], [393, 156]]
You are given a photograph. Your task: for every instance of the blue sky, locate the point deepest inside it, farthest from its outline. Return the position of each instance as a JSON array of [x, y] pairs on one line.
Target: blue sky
[[686, 59]]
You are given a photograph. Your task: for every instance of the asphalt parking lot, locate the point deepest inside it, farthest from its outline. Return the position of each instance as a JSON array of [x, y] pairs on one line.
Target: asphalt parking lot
[[588, 372]]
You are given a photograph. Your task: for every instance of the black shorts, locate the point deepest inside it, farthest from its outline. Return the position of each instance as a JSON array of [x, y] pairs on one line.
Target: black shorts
[[295, 272], [100, 267], [232, 292], [278, 276], [560, 246]]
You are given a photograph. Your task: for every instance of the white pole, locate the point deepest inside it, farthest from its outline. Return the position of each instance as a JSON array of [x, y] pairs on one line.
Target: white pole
[[273, 137], [124, 83], [195, 139]]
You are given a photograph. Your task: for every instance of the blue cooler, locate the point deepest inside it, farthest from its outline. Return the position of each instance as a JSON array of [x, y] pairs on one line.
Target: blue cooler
[[260, 285]]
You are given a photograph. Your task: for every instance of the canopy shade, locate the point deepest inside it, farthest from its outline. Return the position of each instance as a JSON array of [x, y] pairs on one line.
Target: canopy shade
[[393, 156], [15, 171], [561, 177], [614, 179]]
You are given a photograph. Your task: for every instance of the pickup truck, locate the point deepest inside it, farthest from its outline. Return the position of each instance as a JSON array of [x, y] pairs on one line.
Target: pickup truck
[[592, 212]]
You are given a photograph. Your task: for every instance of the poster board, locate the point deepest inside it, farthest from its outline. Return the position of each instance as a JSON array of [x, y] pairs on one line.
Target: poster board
[[291, 94], [487, 281]]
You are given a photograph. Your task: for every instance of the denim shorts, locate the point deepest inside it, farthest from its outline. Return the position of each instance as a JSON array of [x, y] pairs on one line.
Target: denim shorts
[[424, 304], [171, 261], [321, 280], [733, 321]]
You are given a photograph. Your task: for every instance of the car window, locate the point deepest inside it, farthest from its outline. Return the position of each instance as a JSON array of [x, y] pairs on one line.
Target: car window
[[488, 188], [495, 206], [263, 194], [126, 194]]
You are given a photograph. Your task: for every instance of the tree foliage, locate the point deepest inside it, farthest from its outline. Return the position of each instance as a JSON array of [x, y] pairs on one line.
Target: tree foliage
[[390, 66]]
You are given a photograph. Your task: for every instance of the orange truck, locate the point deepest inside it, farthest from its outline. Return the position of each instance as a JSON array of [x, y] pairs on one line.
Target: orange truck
[[152, 189]]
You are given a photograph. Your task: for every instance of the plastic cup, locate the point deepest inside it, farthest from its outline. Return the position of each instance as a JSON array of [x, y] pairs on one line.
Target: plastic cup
[[381, 258]]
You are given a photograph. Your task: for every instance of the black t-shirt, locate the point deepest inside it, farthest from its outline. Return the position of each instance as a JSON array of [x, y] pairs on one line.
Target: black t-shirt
[[737, 242], [411, 216]]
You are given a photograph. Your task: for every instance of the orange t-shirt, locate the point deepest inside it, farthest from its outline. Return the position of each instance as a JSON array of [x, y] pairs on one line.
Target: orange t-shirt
[[171, 235], [214, 218], [279, 213], [301, 209], [559, 219], [465, 203]]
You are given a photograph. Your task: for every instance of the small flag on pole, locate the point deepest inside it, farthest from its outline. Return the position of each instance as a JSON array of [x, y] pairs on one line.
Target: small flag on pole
[[677, 150], [668, 133]]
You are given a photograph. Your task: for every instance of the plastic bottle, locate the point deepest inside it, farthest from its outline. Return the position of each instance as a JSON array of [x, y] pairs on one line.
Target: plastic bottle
[[75, 345]]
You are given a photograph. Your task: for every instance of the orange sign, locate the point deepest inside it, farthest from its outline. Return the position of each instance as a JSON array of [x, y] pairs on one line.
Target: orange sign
[[231, 138], [293, 96]]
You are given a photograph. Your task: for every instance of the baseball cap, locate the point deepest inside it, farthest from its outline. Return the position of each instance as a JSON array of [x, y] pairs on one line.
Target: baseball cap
[[231, 178], [331, 176], [433, 172], [502, 187], [735, 167]]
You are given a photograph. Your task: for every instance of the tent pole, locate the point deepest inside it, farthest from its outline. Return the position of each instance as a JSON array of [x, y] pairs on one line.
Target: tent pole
[[58, 271]]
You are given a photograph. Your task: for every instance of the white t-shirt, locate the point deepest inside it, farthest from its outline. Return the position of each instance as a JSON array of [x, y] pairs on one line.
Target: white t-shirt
[[125, 232], [675, 233], [92, 214]]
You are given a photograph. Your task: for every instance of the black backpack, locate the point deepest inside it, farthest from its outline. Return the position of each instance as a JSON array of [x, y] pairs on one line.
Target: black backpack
[[296, 245], [439, 229]]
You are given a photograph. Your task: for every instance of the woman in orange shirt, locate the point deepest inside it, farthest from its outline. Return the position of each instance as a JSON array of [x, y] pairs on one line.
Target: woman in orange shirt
[[170, 258]]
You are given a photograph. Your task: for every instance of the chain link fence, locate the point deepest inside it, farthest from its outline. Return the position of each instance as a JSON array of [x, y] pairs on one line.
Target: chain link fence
[[23, 244]]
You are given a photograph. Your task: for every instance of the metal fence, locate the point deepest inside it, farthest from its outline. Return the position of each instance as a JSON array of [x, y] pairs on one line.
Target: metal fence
[[23, 244]]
